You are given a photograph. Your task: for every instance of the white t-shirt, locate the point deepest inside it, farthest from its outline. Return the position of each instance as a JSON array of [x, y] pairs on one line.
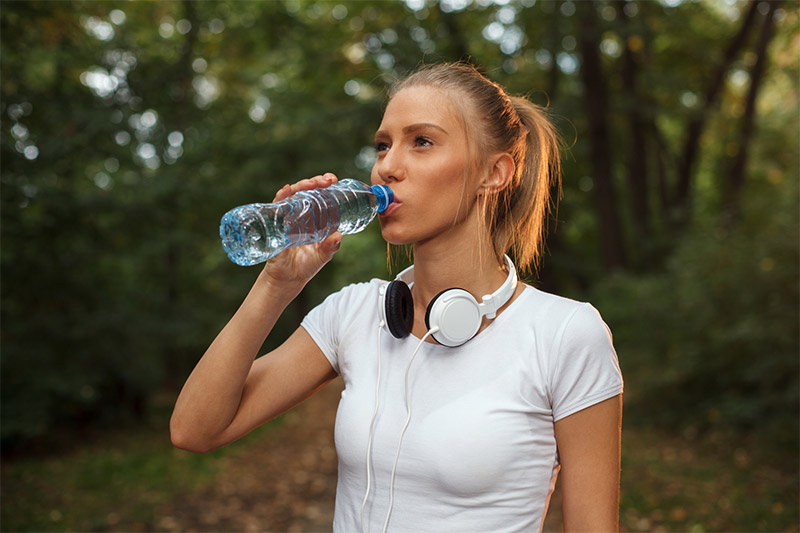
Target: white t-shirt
[[480, 452]]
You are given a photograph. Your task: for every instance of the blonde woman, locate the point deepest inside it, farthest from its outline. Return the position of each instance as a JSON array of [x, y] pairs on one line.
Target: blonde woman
[[466, 392]]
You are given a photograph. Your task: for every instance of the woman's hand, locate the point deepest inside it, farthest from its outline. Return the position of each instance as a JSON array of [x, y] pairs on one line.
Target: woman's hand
[[297, 265]]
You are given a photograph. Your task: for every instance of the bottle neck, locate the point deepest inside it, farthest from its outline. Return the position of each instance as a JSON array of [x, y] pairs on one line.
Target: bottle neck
[[384, 195]]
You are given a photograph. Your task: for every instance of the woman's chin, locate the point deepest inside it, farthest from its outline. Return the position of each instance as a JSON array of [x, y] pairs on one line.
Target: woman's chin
[[392, 237], [396, 242]]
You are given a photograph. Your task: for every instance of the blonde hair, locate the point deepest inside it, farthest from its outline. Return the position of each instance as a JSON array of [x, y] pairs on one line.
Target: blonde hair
[[515, 216]]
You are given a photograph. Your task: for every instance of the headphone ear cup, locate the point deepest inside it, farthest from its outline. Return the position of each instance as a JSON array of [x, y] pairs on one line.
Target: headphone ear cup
[[399, 309], [430, 307], [457, 316]]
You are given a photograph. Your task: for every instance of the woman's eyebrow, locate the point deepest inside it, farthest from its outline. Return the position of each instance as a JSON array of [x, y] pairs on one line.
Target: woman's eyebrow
[[382, 134], [422, 126]]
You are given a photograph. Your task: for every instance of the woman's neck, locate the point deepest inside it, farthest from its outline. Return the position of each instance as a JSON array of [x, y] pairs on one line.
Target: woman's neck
[[472, 268]]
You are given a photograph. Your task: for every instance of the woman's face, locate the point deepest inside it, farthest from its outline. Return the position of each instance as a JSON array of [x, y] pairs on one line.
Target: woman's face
[[423, 157]]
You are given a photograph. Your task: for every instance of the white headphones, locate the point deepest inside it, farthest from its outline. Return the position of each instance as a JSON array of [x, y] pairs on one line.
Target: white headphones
[[453, 316]]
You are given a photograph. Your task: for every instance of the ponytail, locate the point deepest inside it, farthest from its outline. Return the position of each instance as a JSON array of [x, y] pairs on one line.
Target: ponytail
[[520, 225]]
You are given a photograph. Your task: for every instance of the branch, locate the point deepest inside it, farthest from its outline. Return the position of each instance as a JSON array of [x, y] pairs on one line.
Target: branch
[[695, 128], [737, 174]]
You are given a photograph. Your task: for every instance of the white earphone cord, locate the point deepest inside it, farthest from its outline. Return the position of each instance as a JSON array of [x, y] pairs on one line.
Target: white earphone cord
[[372, 428], [405, 426], [402, 433]]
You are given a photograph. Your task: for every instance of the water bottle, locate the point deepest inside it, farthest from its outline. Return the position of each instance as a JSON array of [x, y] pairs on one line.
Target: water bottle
[[254, 233]]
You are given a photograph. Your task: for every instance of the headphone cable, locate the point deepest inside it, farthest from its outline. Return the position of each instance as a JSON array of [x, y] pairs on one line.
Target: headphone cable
[[372, 428], [405, 426]]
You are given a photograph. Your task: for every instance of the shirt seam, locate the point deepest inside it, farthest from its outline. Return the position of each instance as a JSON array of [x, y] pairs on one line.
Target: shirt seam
[[589, 401], [557, 359]]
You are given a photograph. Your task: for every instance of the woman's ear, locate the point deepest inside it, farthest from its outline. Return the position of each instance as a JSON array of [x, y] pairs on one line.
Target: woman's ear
[[500, 174]]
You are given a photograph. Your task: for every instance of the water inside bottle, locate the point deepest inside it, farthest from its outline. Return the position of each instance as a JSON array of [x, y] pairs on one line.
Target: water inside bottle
[[311, 218], [247, 236], [357, 208]]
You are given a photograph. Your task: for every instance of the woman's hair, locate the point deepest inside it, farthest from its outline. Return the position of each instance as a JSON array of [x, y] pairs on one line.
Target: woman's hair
[[516, 216]]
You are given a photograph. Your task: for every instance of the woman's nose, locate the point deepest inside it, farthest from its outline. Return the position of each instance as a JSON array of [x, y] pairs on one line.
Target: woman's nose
[[389, 166]]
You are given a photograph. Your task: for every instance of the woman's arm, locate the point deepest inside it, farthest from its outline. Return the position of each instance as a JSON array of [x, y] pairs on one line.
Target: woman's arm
[[589, 451], [229, 392]]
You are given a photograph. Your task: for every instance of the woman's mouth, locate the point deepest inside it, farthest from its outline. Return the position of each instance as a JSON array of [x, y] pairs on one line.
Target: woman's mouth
[[394, 206]]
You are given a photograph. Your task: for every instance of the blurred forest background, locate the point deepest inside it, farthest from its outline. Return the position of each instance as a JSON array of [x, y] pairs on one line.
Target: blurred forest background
[[129, 128]]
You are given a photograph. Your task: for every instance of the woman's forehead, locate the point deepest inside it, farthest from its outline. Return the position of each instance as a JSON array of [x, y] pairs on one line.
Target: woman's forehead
[[422, 103]]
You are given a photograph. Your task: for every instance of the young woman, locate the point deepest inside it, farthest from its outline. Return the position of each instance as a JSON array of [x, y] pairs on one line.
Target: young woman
[[460, 417]]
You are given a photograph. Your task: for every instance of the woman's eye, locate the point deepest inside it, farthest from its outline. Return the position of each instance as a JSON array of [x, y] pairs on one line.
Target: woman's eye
[[381, 146], [422, 141]]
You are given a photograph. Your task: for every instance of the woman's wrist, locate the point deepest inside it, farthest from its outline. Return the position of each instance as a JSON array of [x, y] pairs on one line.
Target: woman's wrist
[[283, 289]]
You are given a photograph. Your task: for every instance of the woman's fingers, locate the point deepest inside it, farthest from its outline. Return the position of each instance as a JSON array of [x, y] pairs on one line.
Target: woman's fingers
[[316, 182], [303, 262], [282, 193]]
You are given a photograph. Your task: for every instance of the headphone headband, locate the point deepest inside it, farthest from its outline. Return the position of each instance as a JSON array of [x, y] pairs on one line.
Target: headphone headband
[[406, 276], [492, 302]]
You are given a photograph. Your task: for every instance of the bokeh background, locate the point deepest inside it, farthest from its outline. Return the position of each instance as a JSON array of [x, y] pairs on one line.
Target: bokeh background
[[129, 128]]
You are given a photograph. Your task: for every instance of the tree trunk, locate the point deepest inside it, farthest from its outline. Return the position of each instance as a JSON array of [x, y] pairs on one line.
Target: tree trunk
[[739, 165], [553, 45], [637, 153], [172, 257], [662, 156], [695, 127], [596, 101]]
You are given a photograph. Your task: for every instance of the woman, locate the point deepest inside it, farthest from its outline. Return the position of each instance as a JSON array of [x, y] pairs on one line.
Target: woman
[[432, 436]]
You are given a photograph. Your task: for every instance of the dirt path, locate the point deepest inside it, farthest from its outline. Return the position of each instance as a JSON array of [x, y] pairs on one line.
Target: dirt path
[[285, 482]]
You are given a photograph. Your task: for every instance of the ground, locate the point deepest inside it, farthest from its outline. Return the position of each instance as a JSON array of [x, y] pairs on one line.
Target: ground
[[285, 482]]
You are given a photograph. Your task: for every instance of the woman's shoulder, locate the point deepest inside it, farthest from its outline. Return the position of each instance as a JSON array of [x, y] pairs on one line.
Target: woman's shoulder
[[558, 314], [553, 305], [355, 293], [345, 306], [360, 288]]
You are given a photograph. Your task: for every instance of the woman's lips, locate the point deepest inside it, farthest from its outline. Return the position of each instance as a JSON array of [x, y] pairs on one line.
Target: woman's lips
[[394, 206]]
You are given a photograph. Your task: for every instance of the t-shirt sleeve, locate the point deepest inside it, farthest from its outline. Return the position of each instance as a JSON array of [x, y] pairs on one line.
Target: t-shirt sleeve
[[322, 324], [586, 369], [336, 319]]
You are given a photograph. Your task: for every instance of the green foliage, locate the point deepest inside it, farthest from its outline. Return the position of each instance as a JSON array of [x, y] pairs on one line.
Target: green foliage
[[130, 128], [712, 340]]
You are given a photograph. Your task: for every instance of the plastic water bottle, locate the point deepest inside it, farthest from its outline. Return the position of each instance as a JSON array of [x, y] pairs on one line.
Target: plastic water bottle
[[254, 233]]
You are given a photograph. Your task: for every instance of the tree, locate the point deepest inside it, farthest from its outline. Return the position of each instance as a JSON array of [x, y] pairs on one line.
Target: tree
[[694, 129], [131, 128], [739, 164], [596, 98]]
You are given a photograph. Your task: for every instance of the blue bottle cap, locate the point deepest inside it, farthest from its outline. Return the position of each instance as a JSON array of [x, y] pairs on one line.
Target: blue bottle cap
[[384, 195]]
